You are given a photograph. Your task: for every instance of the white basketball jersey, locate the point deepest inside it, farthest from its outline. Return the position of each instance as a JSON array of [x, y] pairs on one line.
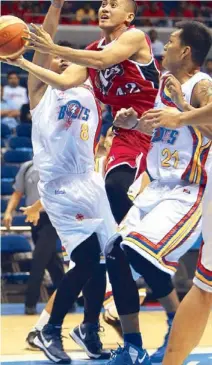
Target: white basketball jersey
[[181, 154], [64, 128]]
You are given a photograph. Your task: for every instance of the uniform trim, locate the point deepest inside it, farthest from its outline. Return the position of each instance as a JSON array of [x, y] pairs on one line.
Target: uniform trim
[[202, 273], [173, 239]]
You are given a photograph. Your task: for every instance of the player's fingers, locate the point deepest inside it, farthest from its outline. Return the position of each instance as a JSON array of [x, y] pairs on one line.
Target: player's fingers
[[23, 209], [36, 28]]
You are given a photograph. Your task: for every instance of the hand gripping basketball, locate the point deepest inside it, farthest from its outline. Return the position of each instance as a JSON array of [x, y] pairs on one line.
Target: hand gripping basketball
[[39, 41]]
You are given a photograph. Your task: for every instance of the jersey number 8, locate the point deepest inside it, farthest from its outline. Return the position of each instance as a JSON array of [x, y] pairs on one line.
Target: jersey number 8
[[84, 133]]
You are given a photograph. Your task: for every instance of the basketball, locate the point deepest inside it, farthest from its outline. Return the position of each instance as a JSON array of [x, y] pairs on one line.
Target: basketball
[[11, 33]]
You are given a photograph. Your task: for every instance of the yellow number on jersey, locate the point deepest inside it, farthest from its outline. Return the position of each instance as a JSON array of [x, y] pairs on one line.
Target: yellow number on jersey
[[171, 159], [84, 133]]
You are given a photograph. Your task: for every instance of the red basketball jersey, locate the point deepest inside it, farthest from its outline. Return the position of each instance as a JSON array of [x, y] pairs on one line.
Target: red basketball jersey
[[124, 85]]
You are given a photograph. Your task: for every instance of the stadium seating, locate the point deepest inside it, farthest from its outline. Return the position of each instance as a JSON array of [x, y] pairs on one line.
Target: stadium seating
[[6, 187], [15, 243], [9, 172], [19, 220], [20, 143], [3, 205], [11, 156], [5, 131], [24, 130]]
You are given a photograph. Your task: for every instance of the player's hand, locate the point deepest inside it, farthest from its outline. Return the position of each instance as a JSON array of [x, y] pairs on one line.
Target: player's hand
[[39, 41], [32, 214], [168, 118], [7, 220], [16, 62], [175, 90], [126, 118]]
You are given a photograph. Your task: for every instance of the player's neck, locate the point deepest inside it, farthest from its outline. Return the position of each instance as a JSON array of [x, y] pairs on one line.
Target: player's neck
[[112, 34], [184, 74]]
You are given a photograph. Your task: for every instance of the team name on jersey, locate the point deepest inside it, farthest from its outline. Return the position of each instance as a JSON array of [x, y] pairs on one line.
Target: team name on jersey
[[73, 110], [165, 135]]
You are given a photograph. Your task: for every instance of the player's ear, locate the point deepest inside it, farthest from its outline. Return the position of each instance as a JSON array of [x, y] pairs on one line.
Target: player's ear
[[130, 18], [186, 51]]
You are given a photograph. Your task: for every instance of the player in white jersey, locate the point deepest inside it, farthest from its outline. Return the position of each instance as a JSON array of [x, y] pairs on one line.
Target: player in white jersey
[[187, 332], [165, 220], [64, 129]]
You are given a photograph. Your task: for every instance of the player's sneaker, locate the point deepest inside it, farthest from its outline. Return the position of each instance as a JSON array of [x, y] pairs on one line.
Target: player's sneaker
[[86, 335], [30, 340], [158, 356], [49, 340], [129, 355]]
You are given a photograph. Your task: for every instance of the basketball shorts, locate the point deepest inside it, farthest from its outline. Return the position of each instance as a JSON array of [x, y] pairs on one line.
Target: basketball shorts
[[203, 275], [77, 206], [163, 224], [128, 148]]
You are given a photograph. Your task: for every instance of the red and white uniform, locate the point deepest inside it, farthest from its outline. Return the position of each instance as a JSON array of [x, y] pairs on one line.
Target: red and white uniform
[[127, 84]]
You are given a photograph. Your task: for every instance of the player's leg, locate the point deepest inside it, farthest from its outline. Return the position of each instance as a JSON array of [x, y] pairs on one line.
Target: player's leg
[[187, 332], [152, 242], [45, 245], [188, 326], [86, 258]]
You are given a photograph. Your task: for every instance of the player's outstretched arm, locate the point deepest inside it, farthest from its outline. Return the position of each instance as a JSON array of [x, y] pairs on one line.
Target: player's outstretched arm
[[50, 25], [73, 76], [128, 119], [125, 46]]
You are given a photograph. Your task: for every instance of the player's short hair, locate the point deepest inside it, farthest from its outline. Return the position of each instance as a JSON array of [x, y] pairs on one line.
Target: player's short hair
[[197, 36], [132, 5]]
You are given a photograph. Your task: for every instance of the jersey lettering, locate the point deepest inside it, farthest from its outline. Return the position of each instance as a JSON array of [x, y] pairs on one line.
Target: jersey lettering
[[129, 88], [106, 77], [165, 135], [73, 110]]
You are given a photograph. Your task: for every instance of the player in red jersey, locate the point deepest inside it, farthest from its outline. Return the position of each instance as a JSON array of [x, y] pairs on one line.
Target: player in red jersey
[[123, 73]]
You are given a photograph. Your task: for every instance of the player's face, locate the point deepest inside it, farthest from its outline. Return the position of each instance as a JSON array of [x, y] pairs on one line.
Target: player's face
[[13, 80], [108, 140], [113, 13], [174, 52], [58, 65]]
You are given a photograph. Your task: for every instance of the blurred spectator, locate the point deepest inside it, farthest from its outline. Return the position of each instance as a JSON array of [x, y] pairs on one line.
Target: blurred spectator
[[107, 122], [153, 11], [9, 114], [13, 92], [208, 66], [86, 14], [43, 234], [157, 45], [184, 9], [67, 10]]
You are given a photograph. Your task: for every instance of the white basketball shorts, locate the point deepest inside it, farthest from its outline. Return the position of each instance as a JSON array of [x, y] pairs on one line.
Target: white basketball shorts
[[77, 206], [163, 224]]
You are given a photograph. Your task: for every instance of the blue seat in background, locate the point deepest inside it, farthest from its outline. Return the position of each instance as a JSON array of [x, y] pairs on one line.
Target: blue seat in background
[[20, 143], [17, 156], [6, 187], [3, 205], [2, 143], [15, 243], [19, 220], [24, 130], [9, 172], [5, 131]]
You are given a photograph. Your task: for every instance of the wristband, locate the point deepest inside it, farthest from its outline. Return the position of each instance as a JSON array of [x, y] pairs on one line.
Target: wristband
[[136, 124], [55, 5]]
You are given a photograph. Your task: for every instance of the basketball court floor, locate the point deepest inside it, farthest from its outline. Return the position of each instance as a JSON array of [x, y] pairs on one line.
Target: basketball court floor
[[15, 326]]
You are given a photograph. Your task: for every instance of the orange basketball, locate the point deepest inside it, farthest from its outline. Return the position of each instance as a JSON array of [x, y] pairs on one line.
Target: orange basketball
[[11, 33]]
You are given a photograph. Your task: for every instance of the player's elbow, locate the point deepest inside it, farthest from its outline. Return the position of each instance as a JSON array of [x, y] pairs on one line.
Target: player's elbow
[[103, 61]]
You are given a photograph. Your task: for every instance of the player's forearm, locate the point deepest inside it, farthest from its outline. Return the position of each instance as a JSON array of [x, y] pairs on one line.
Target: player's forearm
[[93, 59], [197, 116], [48, 77], [13, 202], [50, 25]]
